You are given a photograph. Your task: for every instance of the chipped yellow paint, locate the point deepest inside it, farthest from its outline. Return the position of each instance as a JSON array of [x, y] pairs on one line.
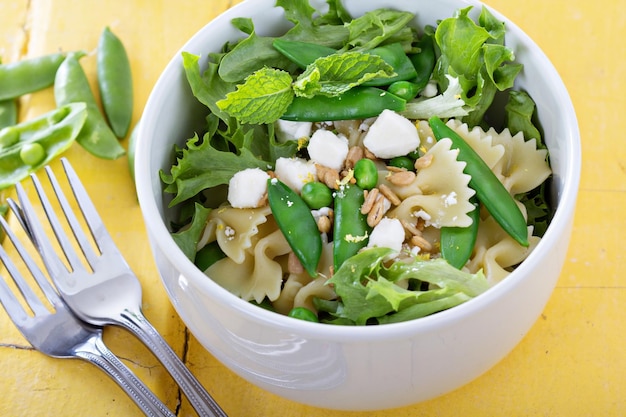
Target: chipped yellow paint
[[571, 362]]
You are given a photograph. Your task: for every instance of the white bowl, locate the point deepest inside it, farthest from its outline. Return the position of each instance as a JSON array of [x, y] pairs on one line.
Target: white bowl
[[356, 368]]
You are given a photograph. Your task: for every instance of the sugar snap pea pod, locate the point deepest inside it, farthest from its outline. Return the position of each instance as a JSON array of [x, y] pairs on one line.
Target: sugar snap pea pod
[[52, 133], [304, 54], [350, 229], [457, 243], [8, 113], [295, 220], [71, 86], [356, 103], [489, 189], [394, 55], [115, 82], [423, 61], [28, 75]]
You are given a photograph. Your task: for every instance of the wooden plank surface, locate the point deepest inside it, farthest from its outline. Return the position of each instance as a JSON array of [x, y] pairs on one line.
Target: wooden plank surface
[[572, 362]]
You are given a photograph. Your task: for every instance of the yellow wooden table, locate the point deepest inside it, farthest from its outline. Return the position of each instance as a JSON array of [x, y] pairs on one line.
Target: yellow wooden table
[[572, 362]]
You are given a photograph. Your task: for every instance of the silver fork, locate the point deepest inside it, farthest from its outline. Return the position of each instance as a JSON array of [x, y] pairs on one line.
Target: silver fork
[[59, 333], [107, 292]]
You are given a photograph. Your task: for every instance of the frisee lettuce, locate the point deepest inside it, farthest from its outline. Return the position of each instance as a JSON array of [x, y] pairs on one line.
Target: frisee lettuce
[[368, 289]]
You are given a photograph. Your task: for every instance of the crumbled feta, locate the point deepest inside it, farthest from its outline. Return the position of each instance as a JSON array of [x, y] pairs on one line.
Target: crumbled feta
[[421, 214], [449, 199], [295, 172], [328, 149], [430, 90], [388, 233], [287, 130], [391, 135], [247, 187]]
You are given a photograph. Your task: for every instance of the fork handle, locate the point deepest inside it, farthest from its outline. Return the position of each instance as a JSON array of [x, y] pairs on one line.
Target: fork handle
[[199, 398], [95, 351]]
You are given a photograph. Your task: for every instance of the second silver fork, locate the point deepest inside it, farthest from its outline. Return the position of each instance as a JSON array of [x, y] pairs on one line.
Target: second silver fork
[[107, 292]]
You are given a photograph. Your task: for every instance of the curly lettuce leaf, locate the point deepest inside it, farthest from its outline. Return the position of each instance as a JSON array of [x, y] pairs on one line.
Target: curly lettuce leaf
[[476, 55], [445, 105], [335, 74], [379, 26], [367, 289], [202, 166], [188, 238], [519, 112]]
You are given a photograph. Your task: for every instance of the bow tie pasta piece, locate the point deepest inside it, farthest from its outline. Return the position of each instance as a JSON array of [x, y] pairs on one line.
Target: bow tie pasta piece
[[439, 189], [523, 167]]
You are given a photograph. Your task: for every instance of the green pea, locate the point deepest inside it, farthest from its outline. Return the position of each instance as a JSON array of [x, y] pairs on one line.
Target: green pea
[[303, 313], [9, 136], [402, 162], [32, 153], [316, 195], [366, 174]]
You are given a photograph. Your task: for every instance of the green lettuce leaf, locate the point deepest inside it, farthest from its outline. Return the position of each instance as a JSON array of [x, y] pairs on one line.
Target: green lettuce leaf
[[377, 27], [263, 98], [335, 74], [446, 105], [475, 54], [188, 239], [519, 112], [201, 166], [368, 290]]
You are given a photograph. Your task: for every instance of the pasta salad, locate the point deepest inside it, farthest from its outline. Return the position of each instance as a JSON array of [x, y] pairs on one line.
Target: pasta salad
[[353, 171]]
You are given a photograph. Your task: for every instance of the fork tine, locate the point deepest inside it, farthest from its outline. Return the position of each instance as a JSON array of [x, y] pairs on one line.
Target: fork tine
[[69, 213], [93, 219], [27, 292], [39, 238]]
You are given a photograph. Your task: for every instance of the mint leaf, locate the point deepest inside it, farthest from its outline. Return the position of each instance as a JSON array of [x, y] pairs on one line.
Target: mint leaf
[[263, 98], [335, 74]]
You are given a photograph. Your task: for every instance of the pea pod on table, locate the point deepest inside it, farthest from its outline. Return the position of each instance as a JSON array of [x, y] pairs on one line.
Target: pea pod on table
[[350, 230], [297, 224], [489, 189], [115, 82], [28, 75], [72, 86], [32, 144]]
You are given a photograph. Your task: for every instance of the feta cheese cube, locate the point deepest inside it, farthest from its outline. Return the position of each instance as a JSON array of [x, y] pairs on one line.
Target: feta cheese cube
[[328, 149], [295, 172], [246, 188], [391, 135], [287, 130], [388, 233]]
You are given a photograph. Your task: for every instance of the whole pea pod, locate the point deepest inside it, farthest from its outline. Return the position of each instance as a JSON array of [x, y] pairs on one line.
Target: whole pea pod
[[350, 229], [457, 243], [115, 82], [28, 75], [356, 103], [295, 220], [72, 86], [489, 189], [27, 146], [8, 113]]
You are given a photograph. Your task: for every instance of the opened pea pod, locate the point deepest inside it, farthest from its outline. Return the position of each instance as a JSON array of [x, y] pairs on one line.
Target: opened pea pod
[[27, 146]]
